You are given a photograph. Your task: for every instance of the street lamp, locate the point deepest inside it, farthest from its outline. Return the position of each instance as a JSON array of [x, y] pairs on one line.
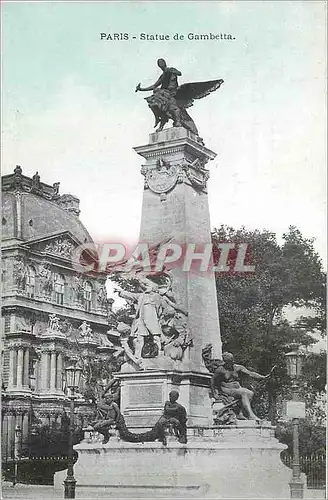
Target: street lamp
[[17, 443], [295, 411], [73, 375], [294, 364]]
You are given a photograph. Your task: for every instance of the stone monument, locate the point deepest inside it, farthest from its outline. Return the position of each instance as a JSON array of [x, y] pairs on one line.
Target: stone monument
[[175, 208], [165, 342]]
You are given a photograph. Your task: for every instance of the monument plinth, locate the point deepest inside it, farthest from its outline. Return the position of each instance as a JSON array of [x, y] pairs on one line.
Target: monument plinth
[[175, 208], [223, 462]]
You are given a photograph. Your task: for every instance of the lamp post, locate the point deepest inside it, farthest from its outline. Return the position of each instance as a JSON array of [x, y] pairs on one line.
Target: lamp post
[[16, 453], [296, 410], [73, 374]]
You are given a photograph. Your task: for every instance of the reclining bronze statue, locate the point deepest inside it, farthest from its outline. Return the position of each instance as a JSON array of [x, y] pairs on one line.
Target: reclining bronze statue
[[226, 388]]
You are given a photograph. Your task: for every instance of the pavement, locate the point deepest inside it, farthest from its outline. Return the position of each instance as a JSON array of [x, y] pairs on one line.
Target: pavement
[[26, 491], [29, 491]]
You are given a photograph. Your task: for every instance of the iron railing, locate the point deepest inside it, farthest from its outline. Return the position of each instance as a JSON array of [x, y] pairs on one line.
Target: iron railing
[[33, 470], [314, 466]]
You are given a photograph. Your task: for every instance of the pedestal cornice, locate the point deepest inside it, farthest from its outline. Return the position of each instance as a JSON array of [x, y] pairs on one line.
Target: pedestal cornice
[[173, 141]]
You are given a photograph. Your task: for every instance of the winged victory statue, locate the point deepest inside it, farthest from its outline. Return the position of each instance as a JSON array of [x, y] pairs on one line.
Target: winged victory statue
[[170, 101]]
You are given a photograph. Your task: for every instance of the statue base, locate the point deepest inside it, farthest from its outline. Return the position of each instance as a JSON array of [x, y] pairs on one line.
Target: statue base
[[144, 393], [220, 462]]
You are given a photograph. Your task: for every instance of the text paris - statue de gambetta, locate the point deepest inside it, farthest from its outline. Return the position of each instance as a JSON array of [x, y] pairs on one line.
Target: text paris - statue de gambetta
[[169, 101]]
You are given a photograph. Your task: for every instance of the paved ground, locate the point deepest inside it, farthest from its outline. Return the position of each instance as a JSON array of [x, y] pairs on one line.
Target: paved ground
[[28, 491], [47, 492]]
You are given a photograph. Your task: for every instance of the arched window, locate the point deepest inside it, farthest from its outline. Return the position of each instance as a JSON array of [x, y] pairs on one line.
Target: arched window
[[87, 296], [59, 289], [30, 282]]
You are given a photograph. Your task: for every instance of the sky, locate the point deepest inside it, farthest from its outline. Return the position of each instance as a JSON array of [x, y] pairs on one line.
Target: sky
[[70, 111]]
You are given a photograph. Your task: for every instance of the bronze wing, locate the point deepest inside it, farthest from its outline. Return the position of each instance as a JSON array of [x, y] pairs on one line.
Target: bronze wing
[[187, 92]]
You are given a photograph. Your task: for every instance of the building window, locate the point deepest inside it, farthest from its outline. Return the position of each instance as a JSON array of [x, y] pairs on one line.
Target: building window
[[59, 289], [87, 296], [30, 282], [3, 280]]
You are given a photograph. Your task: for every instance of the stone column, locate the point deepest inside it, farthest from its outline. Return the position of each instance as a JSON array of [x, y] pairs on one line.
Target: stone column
[[44, 371], [20, 366], [53, 356], [25, 426], [11, 369], [26, 368], [15, 369], [19, 423], [11, 435], [4, 440], [59, 383]]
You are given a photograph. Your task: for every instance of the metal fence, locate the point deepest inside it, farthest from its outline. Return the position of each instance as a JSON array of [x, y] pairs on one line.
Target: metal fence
[[33, 470], [314, 466]]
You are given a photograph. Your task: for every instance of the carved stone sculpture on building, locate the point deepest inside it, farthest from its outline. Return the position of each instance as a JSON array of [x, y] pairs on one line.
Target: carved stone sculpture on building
[[102, 297], [85, 331], [54, 323], [45, 279], [78, 287], [55, 194], [23, 323], [20, 273], [61, 246], [36, 184], [18, 177]]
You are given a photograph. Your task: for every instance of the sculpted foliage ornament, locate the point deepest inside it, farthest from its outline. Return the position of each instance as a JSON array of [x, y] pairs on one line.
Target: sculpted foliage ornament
[[196, 174]]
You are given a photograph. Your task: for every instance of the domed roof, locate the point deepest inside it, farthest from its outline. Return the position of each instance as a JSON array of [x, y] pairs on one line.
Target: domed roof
[[33, 210]]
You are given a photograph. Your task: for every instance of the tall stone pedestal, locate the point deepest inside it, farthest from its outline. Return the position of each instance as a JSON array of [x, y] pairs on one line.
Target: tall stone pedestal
[[222, 462], [175, 204]]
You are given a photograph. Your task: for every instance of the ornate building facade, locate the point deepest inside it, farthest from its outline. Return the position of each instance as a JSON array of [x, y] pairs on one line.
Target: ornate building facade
[[51, 314]]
